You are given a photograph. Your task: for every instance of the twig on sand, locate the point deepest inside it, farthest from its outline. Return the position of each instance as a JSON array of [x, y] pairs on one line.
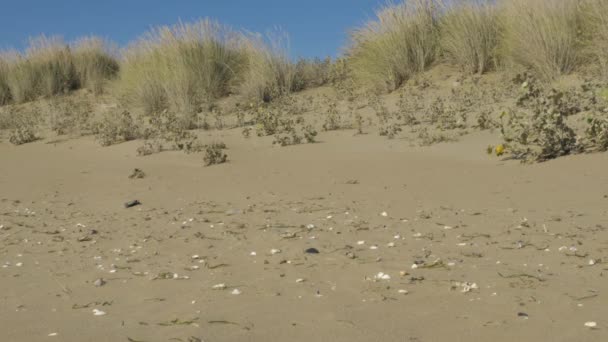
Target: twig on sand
[[228, 323], [521, 275]]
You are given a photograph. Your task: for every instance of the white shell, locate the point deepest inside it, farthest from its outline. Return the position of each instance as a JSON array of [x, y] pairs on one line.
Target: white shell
[[221, 286], [98, 312], [275, 251], [236, 292], [590, 324], [382, 276], [384, 214]]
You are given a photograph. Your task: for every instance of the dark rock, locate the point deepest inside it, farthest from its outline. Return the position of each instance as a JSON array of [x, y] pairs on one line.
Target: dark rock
[[133, 203]]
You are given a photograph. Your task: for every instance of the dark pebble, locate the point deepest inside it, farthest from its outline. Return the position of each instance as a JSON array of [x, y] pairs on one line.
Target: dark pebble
[[312, 251], [132, 204]]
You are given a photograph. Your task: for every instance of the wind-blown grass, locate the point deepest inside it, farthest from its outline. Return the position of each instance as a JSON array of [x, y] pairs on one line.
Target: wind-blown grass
[[50, 67], [5, 92], [401, 42], [182, 67], [96, 63], [270, 72], [470, 34], [596, 18], [46, 69], [543, 35]]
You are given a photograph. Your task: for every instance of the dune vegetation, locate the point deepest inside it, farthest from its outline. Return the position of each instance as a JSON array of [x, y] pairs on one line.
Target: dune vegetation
[[176, 78], [188, 64]]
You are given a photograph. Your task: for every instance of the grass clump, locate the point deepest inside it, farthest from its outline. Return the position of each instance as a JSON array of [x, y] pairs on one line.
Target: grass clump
[[51, 67], [46, 69], [270, 73], [95, 63], [596, 17], [182, 67], [470, 34], [400, 43], [5, 91], [117, 127], [214, 154], [544, 35], [311, 73]]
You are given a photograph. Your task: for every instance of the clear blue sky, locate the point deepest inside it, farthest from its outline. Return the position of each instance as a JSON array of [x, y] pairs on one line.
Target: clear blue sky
[[316, 27]]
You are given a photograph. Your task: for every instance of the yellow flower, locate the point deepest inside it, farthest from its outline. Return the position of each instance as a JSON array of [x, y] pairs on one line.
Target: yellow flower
[[500, 150]]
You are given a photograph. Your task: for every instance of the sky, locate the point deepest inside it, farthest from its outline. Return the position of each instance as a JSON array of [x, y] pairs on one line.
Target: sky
[[317, 28]]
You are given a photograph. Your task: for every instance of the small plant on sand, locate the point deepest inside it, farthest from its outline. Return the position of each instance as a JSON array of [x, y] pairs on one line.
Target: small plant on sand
[[542, 134], [597, 133], [359, 123], [485, 121], [150, 147], [446, 117], [294, 132], [116, 127], [67, 116], [287, 134], [310, 134], [428, 138], [267, 121], [218, 115], [246, 132], [390, 130], [167, 132], [404, 112], [214, 154], [333, 120], [240, 112], [24, 133], [388, 123]]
